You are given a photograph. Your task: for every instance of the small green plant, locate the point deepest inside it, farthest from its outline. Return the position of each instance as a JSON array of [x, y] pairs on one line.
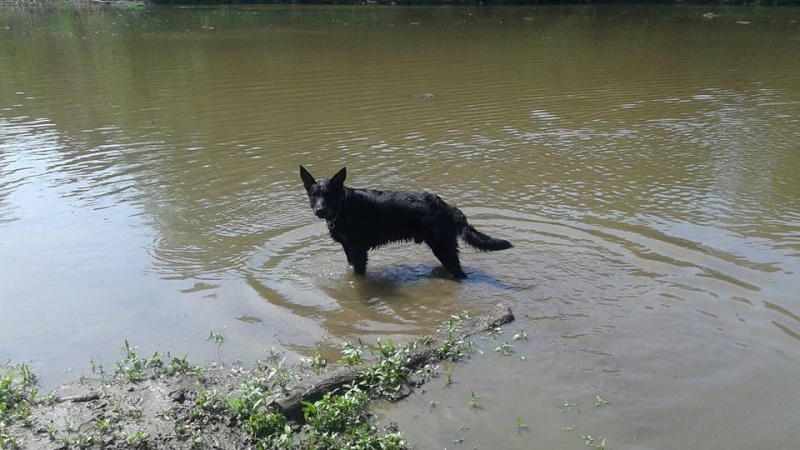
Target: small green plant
[[351, 355], [569, 407], [388, 374], [130, 352], [454, 324], [336, 414], [132, 368], [505, 349], [522, 336], [83, 441], [318, 362], [103, 425], [27, 375], [281, 376], [218, 339], [250, 399], [211, 402], [178, 366], [138, 439], [474, 401], [132, 371], [96, 368], [448, 378], [51, 398], [269, 428], [366, 437], [51, 431], [181, 431], [427, 340], [598, 443], [381, 350], [454, 347], [521, 425], [494, 333], [8, 440], [134, 414], [273, 355], [154, 362], [599, 401]]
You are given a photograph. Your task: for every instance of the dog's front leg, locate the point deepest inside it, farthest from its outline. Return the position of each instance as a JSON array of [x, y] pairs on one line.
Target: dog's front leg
[[359, 260], [349, 252]]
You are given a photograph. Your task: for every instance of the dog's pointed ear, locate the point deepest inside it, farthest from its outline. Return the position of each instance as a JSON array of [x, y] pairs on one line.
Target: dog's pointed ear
[[339, 177], [308, 180]]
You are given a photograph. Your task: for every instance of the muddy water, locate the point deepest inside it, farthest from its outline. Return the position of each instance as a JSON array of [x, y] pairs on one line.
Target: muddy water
[[643, 161]]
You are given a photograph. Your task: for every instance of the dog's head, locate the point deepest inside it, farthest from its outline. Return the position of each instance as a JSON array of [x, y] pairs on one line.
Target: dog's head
[[325, 195]]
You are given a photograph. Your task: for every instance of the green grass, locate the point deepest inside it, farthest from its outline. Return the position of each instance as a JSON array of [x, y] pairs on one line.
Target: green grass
[[351, 355], [388, 374], [318, 362], [342, 422], [18, 394]]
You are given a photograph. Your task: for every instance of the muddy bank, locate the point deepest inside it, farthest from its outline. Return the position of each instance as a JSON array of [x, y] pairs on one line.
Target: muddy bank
[[164, 402]]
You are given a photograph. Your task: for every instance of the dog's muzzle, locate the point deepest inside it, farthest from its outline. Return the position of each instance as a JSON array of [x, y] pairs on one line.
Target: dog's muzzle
[[323, 212]]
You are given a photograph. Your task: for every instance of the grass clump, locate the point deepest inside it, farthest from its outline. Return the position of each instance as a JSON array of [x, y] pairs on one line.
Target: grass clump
[[351, 355], [388, 375], [454, 347], [18, 394], [132, 368], [270, 430], [341, 422]]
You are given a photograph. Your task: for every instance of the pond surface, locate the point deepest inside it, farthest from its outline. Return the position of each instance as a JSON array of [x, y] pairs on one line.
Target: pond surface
[[644, 162]]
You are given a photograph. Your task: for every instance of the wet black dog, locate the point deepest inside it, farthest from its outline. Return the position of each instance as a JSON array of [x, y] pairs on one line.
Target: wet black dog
[[364, 219]]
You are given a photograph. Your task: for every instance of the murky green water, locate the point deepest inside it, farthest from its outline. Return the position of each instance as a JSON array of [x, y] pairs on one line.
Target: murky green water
[[644, 162]]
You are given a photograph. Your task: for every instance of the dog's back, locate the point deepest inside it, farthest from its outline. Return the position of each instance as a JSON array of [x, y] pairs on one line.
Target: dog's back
[[383, 217]]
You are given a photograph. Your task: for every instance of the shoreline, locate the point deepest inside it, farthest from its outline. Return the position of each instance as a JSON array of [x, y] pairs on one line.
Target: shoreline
[[164, 402]]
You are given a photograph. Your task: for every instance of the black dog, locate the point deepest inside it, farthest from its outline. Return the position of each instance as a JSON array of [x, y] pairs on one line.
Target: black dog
[[364, 219]]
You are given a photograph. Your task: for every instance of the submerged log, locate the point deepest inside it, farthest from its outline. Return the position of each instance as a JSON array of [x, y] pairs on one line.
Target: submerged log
[[291, 404]]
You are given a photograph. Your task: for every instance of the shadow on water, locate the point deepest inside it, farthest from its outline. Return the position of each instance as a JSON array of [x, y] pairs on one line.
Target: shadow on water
[[388, 282]]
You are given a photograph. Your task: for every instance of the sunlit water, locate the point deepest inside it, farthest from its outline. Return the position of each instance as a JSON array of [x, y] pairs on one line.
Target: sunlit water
[[643, 161]]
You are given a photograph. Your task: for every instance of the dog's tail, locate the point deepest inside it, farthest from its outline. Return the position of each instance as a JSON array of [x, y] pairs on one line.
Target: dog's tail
[[475, 238], [483, 241]]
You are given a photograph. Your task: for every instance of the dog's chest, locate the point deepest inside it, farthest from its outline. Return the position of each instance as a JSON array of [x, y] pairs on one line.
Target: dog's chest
[[338, 235]]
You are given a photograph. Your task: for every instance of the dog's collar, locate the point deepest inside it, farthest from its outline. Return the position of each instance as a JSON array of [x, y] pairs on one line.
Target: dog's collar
[[332, 222]]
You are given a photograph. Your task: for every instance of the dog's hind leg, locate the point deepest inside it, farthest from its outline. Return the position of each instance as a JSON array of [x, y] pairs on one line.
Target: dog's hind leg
[[447, 253]]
